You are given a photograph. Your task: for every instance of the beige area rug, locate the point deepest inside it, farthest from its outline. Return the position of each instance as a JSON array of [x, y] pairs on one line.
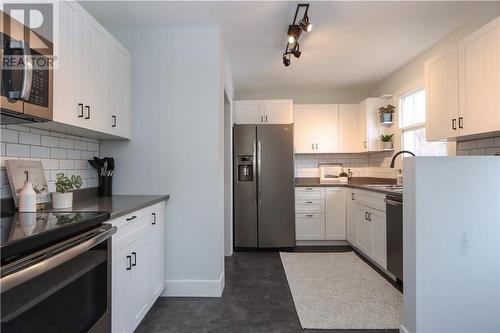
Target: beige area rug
[[340, 291]]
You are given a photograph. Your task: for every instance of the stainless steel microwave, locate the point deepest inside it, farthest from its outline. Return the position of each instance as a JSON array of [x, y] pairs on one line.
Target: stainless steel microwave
[[25, 74]]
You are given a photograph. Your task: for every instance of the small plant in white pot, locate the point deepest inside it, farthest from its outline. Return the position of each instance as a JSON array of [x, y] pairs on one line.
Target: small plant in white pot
[[387, 141], [63, 198], [386, 113]]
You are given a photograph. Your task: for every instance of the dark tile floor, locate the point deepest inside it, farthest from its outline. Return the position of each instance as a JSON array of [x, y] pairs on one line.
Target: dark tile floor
[[256, 299]]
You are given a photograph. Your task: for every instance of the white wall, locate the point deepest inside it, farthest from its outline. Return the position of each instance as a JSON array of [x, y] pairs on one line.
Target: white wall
[[307, 96], [452, 244], [177, 145]]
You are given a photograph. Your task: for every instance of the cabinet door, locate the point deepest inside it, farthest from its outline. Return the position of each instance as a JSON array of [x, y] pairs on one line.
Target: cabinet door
[[140, 273], [351, 217], [303, 118], [364, 232], [379, 245], [249, 112], [278, 112], [121, 291], [479, 82], [118, 117], [310, 226], [157, 243], [362, 126], [326, 128], [348, 128], [441, 96], [66, 108], [335, 219], [368, 123]]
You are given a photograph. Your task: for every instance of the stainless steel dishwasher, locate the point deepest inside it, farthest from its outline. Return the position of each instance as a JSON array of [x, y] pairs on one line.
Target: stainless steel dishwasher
[[394, 216]]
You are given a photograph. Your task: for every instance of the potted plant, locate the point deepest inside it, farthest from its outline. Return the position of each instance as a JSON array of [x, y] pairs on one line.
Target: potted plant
[[387, 141], [62, 198], [386, 113]]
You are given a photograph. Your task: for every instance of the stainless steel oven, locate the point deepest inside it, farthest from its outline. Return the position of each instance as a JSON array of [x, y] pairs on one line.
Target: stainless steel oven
[[65, 287], [25, 74]]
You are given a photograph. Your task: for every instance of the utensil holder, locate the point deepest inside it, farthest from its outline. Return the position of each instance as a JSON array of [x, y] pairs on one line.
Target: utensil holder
[[105, 186]]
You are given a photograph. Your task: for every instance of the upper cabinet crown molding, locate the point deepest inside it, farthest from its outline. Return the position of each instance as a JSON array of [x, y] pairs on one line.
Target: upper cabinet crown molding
[[276, 111], [462, 86]]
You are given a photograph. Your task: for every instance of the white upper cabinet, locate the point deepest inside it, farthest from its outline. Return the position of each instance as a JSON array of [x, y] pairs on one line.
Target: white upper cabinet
[[316, 128], [118, 117], [368, 127], [302, 128], [91, 77], [441, 87], [249, 112], [479, 80], [325, 130], [279, 111], [462, 86], [348, 128], [276, 111]]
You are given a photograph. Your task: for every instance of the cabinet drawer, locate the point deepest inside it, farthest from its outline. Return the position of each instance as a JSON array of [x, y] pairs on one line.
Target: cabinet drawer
[[310, 192], [370, 199], [310, 226], [309, 205]]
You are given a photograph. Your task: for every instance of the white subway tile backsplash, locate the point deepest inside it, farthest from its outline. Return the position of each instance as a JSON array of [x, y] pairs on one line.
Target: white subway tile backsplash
[[67, 143], [9, 135], [486, 143], [29, 138], [480, 147], [74, 154], [14, 149], [58, 152], [80, 145], [50, 141], [41, 152], [66, 164]]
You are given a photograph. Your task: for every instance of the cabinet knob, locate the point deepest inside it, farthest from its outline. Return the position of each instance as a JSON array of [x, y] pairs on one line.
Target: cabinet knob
[[113, 118], [134, 254], [154, 218], [460, 122], [129, 267], [453, 124], [80, 110], [88, 112]]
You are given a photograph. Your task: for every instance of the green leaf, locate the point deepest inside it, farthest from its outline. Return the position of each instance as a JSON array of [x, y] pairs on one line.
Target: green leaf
[[73, 179], [59, 175]]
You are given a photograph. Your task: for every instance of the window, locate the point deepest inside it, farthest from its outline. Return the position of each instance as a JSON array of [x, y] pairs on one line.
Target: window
[[412, 124]]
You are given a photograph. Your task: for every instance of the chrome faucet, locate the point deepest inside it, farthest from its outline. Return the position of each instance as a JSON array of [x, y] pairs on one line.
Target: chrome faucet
[[399, 153]]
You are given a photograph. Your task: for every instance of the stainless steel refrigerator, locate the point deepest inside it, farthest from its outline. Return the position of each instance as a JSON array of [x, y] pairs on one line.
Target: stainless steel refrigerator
[[264, 198]]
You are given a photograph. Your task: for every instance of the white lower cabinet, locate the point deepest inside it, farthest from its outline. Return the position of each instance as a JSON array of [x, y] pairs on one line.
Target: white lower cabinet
[[335, 222], [366, 225], [138, 269], [310, 226]]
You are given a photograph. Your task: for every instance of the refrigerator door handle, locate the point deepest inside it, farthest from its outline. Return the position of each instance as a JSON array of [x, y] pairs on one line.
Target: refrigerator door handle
[[259, 172]]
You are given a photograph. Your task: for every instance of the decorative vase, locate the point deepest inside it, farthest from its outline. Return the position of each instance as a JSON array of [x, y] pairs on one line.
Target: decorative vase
[[387, 144], [62, 200], [385, 117]]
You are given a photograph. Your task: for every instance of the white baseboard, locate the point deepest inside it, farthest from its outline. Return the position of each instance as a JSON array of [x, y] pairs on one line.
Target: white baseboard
[[194, 288], [320, 242], [403, 329]]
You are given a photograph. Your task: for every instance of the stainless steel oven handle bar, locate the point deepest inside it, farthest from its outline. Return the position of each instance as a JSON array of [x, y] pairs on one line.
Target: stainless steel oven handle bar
[[392, 202], [13, 280]]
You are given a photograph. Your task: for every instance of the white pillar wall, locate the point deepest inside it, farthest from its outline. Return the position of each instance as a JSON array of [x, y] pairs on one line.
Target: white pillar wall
[[175, 148]]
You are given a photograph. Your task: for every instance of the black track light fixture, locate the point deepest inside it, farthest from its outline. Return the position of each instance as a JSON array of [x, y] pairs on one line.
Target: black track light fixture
[[294, 32], [296, 50], [286, 59]]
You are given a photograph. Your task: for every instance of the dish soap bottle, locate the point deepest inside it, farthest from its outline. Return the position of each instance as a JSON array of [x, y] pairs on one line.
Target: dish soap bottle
[[399, 178], [27, 196], [349, 176]]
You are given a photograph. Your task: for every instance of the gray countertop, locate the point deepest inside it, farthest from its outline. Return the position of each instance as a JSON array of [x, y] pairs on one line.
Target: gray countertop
[[116, 205], [360, 183]]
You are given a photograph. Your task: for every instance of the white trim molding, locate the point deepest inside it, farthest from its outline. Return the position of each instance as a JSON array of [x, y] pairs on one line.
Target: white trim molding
[[194, 288]]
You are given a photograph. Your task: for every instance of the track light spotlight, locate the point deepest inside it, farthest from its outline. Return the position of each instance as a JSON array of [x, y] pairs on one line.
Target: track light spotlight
[[286, 60], [305, 24], [293, 33], [296, 50]]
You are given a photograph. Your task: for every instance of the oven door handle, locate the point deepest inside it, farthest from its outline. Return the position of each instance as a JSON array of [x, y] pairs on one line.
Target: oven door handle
[[392, 202], [13, 280], [27, 72]]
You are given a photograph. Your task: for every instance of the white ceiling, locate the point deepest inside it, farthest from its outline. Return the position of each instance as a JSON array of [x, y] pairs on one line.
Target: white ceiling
[[353, 44]]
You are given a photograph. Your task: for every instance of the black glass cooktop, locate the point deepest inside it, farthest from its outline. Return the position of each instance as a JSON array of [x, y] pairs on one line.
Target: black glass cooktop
[[22, 233]]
